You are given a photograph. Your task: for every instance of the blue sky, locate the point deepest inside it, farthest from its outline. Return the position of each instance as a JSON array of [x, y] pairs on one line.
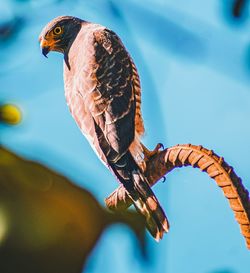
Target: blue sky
[[192, 60]]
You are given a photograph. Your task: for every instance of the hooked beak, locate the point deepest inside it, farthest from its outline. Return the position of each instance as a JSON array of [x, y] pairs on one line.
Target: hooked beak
[[47, 46], [45, 51]]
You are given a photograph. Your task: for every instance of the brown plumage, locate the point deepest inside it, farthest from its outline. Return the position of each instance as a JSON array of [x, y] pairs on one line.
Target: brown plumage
[[102, 89]]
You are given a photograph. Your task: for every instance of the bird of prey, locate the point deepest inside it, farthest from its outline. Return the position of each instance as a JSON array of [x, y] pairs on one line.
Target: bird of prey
[[103, 92]]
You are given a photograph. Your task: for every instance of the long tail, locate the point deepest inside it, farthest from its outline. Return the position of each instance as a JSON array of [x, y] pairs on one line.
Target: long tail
[[136, 184]]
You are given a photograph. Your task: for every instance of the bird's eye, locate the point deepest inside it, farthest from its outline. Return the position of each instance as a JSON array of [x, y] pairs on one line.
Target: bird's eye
[[57, 30]]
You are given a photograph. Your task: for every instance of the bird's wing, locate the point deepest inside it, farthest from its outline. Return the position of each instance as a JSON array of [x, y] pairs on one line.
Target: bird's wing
[[139, 126], [114, 102]]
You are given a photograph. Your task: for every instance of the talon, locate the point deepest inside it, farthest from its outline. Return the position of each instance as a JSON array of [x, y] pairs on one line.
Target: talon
[[160, 146], [164, 179], [148, 154]]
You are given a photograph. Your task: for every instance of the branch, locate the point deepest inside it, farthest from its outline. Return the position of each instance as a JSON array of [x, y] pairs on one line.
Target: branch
[[207, 161]]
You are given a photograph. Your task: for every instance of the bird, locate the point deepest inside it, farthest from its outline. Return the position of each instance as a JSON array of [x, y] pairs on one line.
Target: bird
[[103, 93]]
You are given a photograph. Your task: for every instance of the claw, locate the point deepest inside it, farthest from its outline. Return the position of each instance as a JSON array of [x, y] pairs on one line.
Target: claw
[[160, 146], [148, 154], [164, 179]]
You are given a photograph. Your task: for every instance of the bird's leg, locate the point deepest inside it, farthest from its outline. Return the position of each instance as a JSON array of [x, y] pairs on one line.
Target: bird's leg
[[149, 154]]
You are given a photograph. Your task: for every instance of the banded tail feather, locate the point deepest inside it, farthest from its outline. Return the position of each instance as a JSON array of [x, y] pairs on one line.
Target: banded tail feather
[[144, 200]]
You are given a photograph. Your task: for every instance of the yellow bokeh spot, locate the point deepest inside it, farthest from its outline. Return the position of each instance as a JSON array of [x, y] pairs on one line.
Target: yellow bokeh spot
[[10, 114]]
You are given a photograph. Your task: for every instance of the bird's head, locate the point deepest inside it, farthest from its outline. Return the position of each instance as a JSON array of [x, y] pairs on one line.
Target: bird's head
[[59, 34]]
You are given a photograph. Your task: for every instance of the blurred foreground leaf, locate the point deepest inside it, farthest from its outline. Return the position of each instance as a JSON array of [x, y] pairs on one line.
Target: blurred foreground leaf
[[47, 224]]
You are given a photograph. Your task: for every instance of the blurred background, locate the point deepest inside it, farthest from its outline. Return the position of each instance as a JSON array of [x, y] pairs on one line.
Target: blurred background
[[193, 58]]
